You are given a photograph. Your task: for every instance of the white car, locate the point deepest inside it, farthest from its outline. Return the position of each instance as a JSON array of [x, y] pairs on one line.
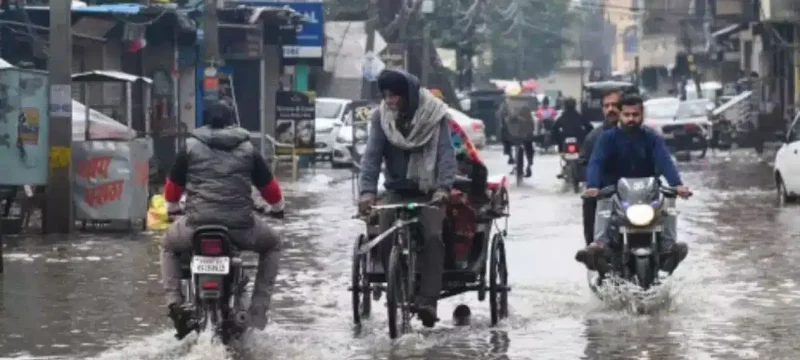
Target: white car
[[787, 165], [342, 155], [330, 113], [474, 128], [685, 125]]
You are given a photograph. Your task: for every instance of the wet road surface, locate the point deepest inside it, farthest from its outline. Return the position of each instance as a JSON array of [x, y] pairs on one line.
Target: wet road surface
[[735, 297]]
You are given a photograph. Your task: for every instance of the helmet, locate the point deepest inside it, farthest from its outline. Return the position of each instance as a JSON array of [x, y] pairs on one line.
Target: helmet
[[218, 115], [570, 103], [513, 90]]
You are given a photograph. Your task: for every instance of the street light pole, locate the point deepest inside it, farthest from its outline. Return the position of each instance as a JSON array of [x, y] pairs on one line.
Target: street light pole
[[428, 7], [211, 51], [58, 209]]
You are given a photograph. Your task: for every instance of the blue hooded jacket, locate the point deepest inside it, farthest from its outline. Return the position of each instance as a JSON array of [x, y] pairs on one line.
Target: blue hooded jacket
[[618, 154]]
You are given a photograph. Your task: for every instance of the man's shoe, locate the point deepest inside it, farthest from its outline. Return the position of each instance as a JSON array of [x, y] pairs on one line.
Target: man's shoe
[[427, 314], [258, 317], [181, 318], [528, 172], [511, 161], [560, 176], [673, 256]]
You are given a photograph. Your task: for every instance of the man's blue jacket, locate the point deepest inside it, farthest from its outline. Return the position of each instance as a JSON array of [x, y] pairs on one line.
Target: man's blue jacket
[[619, 154]]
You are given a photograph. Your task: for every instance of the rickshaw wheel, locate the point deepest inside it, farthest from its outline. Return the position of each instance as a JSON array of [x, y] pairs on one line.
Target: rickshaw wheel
[[498, 280], [360, 286]]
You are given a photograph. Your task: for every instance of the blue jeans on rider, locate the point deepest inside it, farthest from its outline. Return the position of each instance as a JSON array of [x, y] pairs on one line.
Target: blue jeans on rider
[[606, 235]]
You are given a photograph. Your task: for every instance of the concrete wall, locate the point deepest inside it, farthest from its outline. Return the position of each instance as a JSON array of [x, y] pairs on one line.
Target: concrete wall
[[567, 79]]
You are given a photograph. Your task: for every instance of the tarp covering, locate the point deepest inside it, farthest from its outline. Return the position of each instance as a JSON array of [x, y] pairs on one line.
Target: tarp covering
[[101, 125]]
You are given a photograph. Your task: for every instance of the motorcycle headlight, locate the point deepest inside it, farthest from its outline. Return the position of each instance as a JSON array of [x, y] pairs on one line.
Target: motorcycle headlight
[[640, 215]]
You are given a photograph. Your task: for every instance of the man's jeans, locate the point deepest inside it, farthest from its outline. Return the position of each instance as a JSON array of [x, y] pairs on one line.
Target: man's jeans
[[431, 260], [260, 239], [589, 211], [607, 231]]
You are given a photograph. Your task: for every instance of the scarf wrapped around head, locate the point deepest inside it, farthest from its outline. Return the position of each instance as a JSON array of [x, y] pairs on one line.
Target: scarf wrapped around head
[[426, 114]]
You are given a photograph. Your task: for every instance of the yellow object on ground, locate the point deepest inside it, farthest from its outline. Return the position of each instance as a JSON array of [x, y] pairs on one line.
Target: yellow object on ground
[[157, 218]]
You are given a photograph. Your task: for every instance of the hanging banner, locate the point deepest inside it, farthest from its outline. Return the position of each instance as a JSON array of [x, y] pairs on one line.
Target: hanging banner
[[110, 179], [24, 119], [295, 115]]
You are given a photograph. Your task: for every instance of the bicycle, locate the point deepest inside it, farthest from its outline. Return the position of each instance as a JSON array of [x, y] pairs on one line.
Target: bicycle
[[401, 277]]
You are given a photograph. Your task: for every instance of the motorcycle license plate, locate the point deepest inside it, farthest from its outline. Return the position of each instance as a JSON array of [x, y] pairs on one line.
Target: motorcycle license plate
[[571, 156], [570, 140], [211, 265], [669, 136]]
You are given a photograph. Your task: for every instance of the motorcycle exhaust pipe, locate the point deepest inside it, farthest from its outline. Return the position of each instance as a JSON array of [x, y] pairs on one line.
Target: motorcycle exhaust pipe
[[242, 318]]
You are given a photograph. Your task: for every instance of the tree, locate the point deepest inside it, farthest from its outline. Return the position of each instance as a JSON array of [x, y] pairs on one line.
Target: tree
[[527, 37]]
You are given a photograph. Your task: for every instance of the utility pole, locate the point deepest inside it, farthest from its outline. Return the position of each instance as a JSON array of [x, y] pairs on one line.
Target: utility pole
[[57, 217], [428, 9], [520, 50], [370, 26], [211, 51], [426, 55]]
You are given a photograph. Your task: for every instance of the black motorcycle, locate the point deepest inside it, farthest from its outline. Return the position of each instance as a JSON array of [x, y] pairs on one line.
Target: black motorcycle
[[723, 134], [639, 208], [213, 282], [570, 164]]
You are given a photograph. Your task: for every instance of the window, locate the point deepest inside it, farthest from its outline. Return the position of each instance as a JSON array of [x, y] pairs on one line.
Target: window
[[328, 110], [794, 130]]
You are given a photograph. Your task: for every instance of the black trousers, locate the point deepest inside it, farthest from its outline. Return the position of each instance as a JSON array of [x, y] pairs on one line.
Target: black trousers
[[530, 151], [589, 209]]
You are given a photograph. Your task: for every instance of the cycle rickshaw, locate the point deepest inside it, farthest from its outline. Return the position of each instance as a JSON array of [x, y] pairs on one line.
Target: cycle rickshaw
[[370, 280]]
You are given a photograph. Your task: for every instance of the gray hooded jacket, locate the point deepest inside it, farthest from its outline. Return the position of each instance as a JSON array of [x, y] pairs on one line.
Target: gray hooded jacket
[[219, 177]]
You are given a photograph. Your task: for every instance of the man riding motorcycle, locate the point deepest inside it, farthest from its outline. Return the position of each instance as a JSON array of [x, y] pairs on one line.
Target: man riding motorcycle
[[217, 170], [409, 134], [611, 99], [570, 124], [630, 151]]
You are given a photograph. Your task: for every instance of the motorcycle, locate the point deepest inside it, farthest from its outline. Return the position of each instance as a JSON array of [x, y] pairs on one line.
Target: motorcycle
[[570, 164], [723, 134], [640, 206], [213, 283]]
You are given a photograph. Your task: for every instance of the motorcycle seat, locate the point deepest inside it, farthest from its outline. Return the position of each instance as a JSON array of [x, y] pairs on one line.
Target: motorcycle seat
[[463, 184]]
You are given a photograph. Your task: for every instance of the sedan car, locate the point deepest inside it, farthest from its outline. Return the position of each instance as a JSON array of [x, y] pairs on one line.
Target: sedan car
[[473, 127], [330, 113], [684, 125], [345, 150], [787, 165]]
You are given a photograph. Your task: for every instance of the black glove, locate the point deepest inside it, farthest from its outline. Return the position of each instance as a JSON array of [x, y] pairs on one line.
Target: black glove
[[276, 214]]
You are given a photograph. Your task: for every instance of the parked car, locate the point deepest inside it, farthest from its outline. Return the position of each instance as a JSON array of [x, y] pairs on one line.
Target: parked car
[[684, 125], [345, 150], [787, 165], [330, 113], [473, 127]]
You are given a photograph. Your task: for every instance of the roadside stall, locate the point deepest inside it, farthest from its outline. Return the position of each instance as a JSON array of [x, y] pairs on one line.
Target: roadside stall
[[112, 170]]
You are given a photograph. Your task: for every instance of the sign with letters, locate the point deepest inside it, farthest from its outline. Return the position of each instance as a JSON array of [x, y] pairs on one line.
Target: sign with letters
[[310, 38]]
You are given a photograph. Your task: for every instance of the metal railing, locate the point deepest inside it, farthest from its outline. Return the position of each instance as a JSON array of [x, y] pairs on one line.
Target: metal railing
[[274, 158]]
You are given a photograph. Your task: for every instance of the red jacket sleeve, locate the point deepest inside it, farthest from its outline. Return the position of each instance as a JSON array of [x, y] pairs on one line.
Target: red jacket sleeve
[[265, 182], [176, 180]]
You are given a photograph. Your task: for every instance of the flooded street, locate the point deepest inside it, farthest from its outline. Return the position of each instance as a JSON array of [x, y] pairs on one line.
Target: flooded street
[[735, 297]]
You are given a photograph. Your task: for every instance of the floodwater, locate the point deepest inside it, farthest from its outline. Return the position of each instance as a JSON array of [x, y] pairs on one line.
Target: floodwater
[[735, 297]]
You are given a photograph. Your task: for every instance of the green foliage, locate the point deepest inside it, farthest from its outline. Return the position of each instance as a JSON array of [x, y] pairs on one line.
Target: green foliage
[[528, 37]]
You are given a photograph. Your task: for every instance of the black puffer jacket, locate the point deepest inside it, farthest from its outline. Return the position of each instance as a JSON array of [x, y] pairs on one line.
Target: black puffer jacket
[[570, 124]]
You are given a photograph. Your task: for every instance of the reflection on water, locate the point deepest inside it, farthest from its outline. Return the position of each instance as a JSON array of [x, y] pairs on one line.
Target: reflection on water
[[735, 297]]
